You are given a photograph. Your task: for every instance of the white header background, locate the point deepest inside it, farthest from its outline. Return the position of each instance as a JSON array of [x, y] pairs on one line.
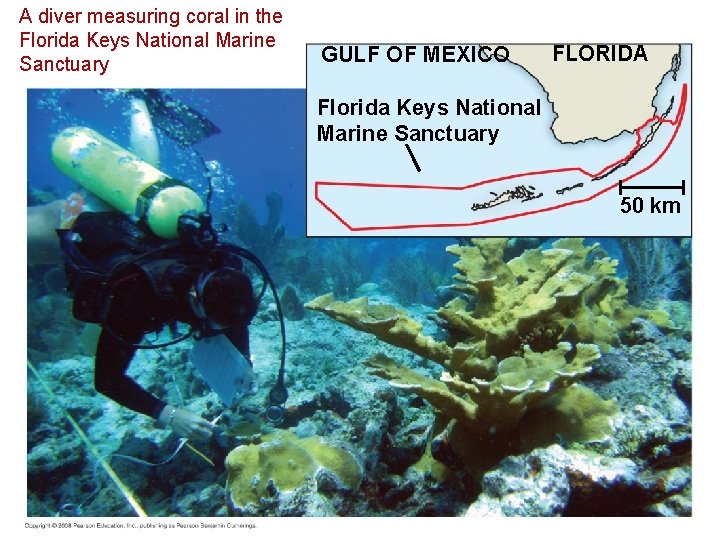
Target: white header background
[[283, 66]]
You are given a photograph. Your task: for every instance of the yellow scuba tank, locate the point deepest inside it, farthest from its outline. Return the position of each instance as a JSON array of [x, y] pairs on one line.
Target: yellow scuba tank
[[123, 180]]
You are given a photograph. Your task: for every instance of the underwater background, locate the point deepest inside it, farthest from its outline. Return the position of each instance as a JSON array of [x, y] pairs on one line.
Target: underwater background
[[427, 377]]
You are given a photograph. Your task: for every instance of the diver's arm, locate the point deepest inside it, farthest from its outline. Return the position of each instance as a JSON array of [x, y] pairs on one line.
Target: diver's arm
[[112, 360], [125, 325], [129, 317]]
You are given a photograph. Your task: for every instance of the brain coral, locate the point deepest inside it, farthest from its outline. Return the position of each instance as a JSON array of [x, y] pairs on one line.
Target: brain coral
[[280, 464]]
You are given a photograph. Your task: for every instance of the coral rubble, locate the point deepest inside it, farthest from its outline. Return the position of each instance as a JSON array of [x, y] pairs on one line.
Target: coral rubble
[[556, 482]]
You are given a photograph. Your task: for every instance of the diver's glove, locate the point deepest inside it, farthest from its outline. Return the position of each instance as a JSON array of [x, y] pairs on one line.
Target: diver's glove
[[185, 423]]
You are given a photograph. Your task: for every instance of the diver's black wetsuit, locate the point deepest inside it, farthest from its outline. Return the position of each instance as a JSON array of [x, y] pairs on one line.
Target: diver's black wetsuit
[[149, 287], [137, 308]]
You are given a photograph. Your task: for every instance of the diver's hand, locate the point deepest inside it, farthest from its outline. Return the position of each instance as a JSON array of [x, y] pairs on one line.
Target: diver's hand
[[186, 423]]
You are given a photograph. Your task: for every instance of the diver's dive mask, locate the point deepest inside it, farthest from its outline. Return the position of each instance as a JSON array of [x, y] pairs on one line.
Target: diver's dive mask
[[197, 305]]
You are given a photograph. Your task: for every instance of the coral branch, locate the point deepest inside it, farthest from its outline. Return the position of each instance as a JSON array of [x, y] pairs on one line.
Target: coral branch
[[520, 335]]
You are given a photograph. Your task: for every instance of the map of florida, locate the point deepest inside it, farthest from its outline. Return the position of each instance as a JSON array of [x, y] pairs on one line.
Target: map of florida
[[597, 92]]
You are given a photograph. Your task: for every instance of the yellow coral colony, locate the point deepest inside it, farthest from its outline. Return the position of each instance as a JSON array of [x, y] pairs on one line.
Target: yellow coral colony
[[285, 462]]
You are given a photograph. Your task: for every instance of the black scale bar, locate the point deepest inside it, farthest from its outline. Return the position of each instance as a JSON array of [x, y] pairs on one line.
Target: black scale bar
[[681, 187]]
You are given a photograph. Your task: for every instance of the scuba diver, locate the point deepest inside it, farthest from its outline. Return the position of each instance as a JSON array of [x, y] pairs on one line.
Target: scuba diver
[[129, 281], [155, 260]]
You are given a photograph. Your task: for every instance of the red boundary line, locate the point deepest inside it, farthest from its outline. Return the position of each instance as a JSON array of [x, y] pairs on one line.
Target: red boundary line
[[677, 122]]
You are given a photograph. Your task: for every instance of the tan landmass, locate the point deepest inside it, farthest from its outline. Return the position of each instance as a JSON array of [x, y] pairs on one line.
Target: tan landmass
[[596, 99]]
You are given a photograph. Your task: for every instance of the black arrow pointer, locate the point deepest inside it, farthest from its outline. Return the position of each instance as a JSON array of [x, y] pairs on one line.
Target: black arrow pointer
[[412, 156]]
